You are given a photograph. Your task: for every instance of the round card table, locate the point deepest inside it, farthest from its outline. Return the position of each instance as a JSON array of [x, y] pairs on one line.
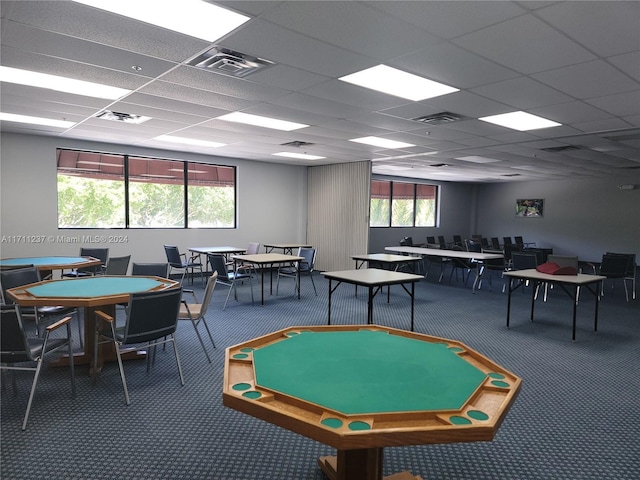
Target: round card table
[[91, 293], [362, 388], [46, 265]]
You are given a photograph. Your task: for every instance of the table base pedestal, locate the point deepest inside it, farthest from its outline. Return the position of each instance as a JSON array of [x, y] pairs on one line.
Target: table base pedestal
[[361, 464]]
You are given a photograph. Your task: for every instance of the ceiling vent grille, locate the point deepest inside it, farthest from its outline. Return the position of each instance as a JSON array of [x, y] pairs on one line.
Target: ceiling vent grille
[[222, 60], [439, 165], [440, 118], [296, 144], [122, 117], [564, 148]]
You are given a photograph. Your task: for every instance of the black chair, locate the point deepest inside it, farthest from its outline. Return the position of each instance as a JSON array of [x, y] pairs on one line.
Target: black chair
[[436, 260], [17, 349], [472, 246], [524, 261], [406, 242], [150, 269], [464, 264], [431, 240], [305, 267], [180, 261], [101, 254], [152, 319], [196, 312], [495, 243], [631, 271], [507, 241], [25, 276], [615, 266], [227, 277], [493, 266], [457, 240], [117, 265], [519, 241]]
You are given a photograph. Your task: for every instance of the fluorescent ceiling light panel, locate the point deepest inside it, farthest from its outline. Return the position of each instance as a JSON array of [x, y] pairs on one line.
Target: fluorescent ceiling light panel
[[189, 141], [259, 121], [60, 84], [477, 159], [521, 121], [49, 122], [381, 142], [195, 18], [396, 82], [301, 156]]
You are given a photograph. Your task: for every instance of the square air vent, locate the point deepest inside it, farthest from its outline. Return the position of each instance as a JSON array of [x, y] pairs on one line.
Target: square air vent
[[564, 148], [222, 60], [440, 118], [122, 117]]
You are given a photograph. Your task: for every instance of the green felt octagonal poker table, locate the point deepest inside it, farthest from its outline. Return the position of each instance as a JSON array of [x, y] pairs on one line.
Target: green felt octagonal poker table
[[362, 388]]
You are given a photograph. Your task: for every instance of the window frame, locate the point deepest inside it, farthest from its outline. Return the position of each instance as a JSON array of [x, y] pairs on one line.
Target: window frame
[[407, 185]]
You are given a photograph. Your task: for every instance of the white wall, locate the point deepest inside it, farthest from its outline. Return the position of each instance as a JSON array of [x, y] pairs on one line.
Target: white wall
[[272, 203]]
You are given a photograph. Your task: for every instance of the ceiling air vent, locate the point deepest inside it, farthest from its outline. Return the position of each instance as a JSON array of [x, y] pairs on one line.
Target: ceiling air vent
[[511, 175], [440, 118], [564, 148], [122, 117], [439, 165], [222, 60], [296, 144]]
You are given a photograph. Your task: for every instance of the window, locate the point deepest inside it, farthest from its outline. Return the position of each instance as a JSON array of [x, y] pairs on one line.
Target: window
[[97, 190], [400, 204]]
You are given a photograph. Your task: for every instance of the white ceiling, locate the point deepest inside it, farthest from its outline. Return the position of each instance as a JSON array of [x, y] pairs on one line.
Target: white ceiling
[[575, 62]]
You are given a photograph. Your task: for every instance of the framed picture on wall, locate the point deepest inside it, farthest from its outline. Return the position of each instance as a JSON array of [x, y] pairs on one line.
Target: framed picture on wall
[[529, 208]]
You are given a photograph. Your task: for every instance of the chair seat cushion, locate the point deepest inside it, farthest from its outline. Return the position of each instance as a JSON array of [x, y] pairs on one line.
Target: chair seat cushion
[[194, 308]]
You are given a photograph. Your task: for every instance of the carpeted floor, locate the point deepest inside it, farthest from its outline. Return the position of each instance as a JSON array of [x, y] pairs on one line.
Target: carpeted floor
[[576, 417]]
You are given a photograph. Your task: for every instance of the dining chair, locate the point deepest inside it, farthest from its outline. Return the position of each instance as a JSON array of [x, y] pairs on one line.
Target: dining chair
[[151, 320], [18, 350], [196, 312], [180, 261], [228, 277], [117, 265], [615, 267], [304, 267], [28, 275], [101, 254], [150, 269]]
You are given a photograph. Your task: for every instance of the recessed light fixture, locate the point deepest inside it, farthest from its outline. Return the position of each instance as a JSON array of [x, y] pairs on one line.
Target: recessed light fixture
[[396, 82], [521, 121], [195, 18], [477, 159], [189, 141], [302, 156], [260, 121], [381, 142], [60, 84], [49, 122]]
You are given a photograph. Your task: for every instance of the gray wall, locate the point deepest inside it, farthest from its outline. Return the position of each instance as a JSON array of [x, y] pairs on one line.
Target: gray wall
[[28, 201], [583, 217]]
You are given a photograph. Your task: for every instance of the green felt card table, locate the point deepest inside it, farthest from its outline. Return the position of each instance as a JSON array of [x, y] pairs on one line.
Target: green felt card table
[[361, 388], [46, 265], [91, 293]]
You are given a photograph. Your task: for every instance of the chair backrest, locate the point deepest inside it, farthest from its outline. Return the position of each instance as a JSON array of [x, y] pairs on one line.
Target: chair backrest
[[150, 269], [523, 261], [173, 255], [518, 241], [431, 240], [208, 293], [17, 278], [117, 265], [473, 246], [441, 239], [218, 264], [507, 241], [614, 265], [495, 243], [457, 240], [101, 254], [253, 248], [14, 346], [631, 262], [309, 255], [152, 315], [406, 242], [564, 260]]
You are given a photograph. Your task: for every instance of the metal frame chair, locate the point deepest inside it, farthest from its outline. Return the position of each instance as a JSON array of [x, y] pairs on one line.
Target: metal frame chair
[[152, 319], [101, 254], [305, 266], [180, 261], [150, 269], [18, 348], [196, 312], [117, 265], [227, 277]]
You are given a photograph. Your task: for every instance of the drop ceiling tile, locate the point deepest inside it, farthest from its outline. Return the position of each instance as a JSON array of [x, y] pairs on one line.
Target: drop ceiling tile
[[522, 93]]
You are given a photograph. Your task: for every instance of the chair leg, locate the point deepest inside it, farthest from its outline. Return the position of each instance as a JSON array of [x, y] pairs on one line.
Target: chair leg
[[33, 391], [175, 349], [195, 327], [313, 283], [124, 380], [208, 332]]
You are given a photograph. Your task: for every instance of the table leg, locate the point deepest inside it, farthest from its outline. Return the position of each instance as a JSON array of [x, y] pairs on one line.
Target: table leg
[[359, 464], [370, 307], [329, 313], [413, 289]]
